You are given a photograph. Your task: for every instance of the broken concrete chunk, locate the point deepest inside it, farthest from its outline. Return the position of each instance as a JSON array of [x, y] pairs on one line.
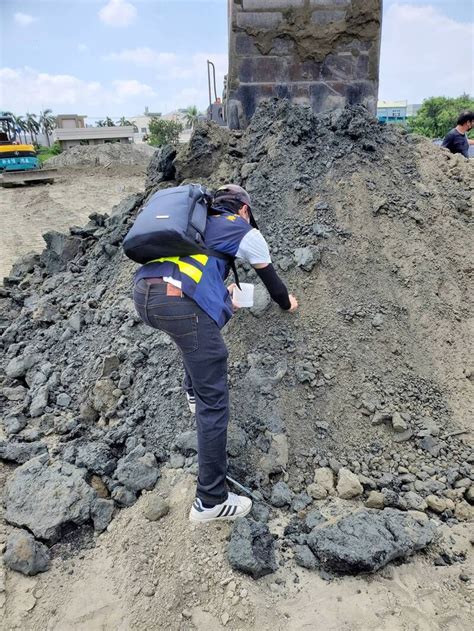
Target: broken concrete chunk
[[45, 498], [137, 470], [251, 548], [281, 495], [24, 554], [367, 540]]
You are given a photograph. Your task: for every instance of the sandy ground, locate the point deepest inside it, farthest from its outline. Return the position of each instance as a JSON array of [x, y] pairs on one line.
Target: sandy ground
[[26, 212], [171, 575]]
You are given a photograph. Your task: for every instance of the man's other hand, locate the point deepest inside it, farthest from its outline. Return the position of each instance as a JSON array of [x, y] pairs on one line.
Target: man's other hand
[[293, 303]]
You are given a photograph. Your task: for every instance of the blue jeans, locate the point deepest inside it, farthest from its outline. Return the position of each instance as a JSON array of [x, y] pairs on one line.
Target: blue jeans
[[204, 356]]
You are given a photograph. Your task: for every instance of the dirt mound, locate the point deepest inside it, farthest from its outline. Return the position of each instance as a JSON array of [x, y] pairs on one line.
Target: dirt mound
[[102, 155], [366, 392]]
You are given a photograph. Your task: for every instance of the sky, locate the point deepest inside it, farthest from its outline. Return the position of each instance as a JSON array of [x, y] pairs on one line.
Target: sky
[[115, 57]]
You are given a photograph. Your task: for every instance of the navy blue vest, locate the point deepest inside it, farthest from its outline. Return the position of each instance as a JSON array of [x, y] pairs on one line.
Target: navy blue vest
[[202, 277]]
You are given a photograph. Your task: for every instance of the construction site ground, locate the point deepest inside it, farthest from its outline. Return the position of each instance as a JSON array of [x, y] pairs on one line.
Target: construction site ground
[[28, 211]]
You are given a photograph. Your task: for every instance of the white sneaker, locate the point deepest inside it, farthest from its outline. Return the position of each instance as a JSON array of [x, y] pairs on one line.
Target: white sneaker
[[191, 402], [234, 506]]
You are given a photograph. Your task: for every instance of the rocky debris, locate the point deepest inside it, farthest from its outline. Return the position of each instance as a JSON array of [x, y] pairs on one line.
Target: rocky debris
[[24, 554], [81, 374], [102, 511], [304, 557], [398, 423], [103, 155], [161, 167], [306, 258], [276, 458], [348, 485], [187, 442], [281, 495], [45, 498], [137, 470], [251, 548], [367, 540], [21, 452], [14, 423]]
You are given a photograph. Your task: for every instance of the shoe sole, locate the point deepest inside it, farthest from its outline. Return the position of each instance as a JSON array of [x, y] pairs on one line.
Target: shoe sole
[[233, 518]]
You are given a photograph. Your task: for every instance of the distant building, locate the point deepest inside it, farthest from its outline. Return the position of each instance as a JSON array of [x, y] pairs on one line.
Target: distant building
[[142, 124], [396, 111], [71, 130]]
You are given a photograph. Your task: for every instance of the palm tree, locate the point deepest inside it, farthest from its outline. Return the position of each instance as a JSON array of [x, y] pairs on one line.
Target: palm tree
[[6, 127], [191, 116], [101, 123], [124, 122], [21, 124], [32, 126], [109, 122], [47, 123]]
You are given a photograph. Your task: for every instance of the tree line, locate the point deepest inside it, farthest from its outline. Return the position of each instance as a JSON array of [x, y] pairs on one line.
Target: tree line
[[33, 124], [161, 131], [438, 114]]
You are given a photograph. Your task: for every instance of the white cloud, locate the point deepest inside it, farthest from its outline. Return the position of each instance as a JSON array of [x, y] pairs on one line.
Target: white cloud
[[23, 19], [132, 87], [82, 48], [30, 90], [172, 65], [118, 13], [146, 57], [424, 53]]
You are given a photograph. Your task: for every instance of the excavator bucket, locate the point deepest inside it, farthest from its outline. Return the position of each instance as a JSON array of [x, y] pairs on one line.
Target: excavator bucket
[[12, 178]]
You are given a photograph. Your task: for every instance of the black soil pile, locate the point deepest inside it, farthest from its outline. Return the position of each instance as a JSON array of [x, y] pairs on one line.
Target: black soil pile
[[370, 228]]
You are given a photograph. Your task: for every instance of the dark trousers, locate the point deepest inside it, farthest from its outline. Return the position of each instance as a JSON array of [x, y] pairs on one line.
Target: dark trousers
[[204, 355]]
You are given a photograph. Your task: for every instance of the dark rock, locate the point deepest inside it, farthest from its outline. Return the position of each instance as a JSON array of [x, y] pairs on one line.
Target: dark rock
[[236, 441], [101, 512], [45, 498], [60, 249], [96, 457], [300, 502], [367, 540], [260, 512], [24, 554], [431, 445], [14, 423], [187, 442], [161, 167], [305, 557], [19, 452], [137, 470], [251, 548], [18, 366], [306, 258], [281, 495], [313, 519], [123, 496]]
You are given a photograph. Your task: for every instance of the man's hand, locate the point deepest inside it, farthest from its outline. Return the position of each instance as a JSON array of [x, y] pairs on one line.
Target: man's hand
[[293, 303], [230, 289]]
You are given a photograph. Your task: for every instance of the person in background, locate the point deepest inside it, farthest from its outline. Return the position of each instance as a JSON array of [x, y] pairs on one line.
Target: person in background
[[456, 140]]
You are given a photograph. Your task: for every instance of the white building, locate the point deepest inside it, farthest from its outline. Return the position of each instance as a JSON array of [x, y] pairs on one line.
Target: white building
[[71, 130]]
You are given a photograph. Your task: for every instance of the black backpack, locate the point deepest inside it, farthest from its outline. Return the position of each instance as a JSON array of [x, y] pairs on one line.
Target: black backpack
[[172, 223]]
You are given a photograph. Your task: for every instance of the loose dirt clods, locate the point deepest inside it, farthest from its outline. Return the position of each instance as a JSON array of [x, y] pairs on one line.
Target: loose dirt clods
[[365, 393]]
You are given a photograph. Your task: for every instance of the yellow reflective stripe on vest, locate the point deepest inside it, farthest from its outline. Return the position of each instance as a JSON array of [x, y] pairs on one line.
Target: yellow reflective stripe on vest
[[200, 258], [185, 268]]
